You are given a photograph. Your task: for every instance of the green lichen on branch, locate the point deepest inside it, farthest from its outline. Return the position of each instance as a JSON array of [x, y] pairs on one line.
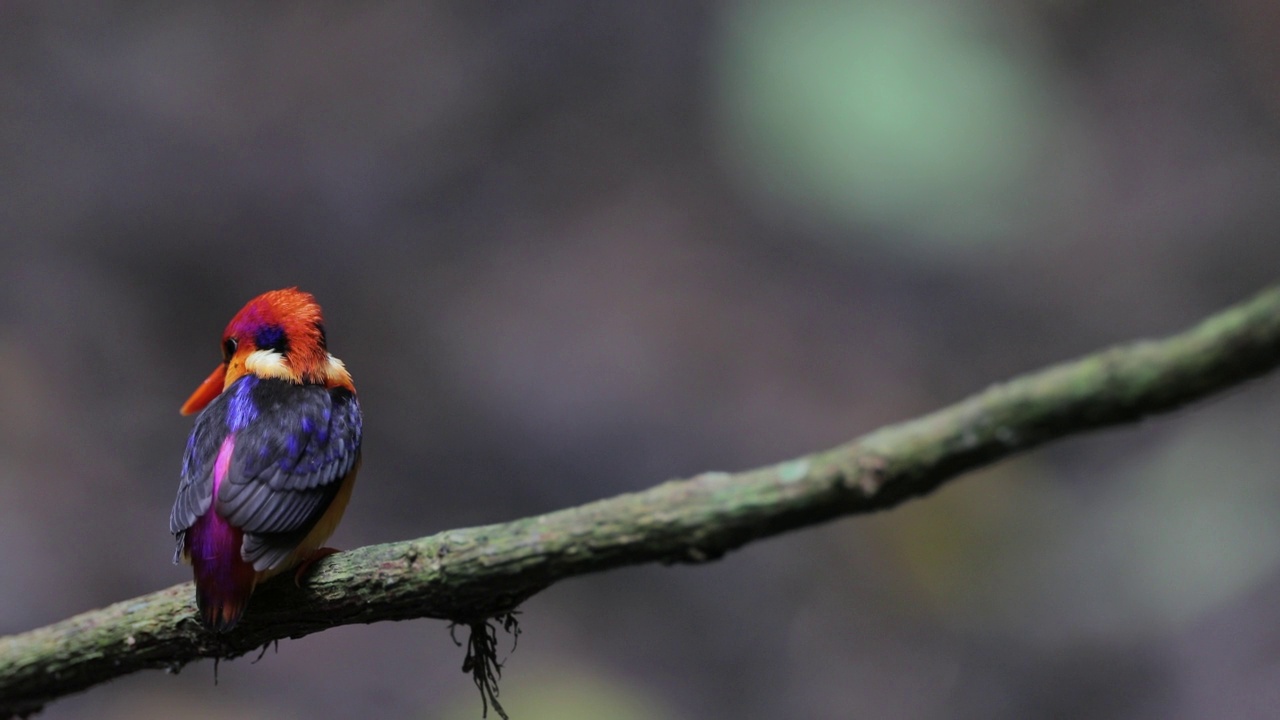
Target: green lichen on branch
[[476, 573]]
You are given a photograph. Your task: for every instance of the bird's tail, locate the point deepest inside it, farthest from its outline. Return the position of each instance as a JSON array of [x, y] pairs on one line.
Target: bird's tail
[[224, 581]]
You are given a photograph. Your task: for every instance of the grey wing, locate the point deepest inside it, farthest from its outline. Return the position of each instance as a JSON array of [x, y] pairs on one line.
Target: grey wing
[[288, 465], [195, 489]]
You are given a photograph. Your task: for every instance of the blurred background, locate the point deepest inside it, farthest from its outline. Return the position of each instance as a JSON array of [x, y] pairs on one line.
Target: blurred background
[[571, 249]]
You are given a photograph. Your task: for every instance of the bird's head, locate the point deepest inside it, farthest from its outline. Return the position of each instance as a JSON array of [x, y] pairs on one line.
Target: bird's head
[[279, 334]]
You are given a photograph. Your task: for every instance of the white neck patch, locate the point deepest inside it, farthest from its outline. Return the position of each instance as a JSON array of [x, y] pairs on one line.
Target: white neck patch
[[336, 371], [268, 363]]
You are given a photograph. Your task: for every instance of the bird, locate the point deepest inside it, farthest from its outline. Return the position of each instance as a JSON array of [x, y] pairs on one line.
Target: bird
[[272, 457]]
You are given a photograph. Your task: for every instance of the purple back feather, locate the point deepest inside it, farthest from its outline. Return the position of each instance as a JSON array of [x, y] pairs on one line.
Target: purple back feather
[[224, 580]]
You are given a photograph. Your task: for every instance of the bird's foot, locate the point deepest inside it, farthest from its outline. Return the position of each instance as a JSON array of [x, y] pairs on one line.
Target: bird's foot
[[319, 554]]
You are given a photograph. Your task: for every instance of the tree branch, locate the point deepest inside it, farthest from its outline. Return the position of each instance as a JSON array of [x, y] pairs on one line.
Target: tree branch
[[472, 574]]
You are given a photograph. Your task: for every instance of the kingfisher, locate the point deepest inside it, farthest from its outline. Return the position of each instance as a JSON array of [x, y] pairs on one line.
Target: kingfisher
[[271, 461]]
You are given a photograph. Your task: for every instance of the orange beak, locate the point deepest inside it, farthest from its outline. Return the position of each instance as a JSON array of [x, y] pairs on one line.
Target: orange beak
[[208, 390]]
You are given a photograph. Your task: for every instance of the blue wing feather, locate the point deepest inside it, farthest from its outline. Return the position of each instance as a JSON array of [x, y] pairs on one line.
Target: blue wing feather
[[294, 444]]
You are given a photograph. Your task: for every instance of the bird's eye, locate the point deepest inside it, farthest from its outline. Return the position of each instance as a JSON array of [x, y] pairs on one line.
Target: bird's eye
[[228, 349]]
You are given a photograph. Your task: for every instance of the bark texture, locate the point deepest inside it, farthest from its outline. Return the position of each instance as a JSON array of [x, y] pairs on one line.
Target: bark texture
[[472, 574]]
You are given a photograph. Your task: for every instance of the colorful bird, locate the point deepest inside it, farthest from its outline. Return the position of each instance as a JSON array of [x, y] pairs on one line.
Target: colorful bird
[[273, 456]]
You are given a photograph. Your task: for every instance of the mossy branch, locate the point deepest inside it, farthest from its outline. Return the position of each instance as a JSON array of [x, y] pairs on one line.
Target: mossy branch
[[470, 575]]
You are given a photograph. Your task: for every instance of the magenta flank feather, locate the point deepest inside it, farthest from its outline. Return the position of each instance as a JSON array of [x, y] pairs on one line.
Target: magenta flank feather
[[224, 580]]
